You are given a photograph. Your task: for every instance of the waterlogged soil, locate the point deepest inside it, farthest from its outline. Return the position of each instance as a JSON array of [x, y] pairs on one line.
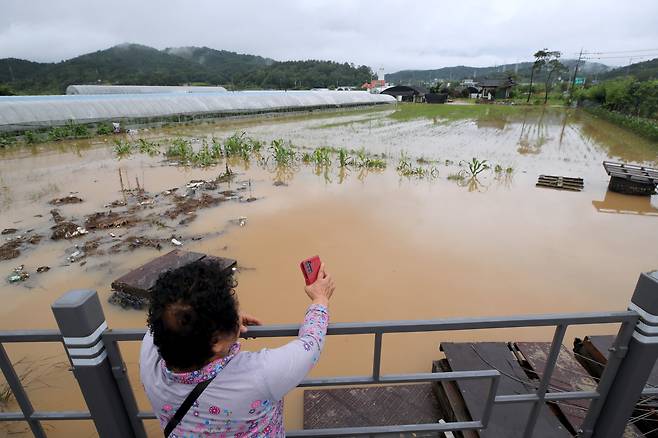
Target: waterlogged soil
[[399, 247]]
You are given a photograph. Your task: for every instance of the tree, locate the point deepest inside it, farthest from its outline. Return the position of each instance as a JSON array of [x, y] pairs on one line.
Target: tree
[[5, 90], [540, 60], [554, 67]]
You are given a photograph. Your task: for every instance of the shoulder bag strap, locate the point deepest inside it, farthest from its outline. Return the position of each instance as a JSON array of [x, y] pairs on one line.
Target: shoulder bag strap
[[182, 410]]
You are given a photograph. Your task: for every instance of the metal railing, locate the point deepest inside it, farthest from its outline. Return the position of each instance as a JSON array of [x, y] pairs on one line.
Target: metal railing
[[99, 368]]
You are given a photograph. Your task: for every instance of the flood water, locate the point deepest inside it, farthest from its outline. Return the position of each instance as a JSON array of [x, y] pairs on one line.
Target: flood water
[[398, 247]]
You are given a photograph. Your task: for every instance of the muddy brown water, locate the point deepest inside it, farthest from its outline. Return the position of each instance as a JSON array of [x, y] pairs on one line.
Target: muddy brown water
[[399, 248]]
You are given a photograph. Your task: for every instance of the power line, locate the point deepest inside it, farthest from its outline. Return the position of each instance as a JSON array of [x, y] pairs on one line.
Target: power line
[[620, 51]]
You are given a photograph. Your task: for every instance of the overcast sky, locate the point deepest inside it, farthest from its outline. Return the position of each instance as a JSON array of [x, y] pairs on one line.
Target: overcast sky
[[394, 35]]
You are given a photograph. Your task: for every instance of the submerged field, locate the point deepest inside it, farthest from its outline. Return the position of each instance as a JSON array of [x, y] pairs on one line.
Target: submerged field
[[412, 237]]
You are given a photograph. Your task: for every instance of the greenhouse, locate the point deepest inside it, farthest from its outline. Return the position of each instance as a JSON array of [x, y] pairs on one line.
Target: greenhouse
[[18, 113], [139, 89]]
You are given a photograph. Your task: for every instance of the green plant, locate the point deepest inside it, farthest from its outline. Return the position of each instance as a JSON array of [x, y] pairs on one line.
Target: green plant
[[343, 158], [283, 154], [122, 148], [204, 157], [181, 149], [405, 168], [321, 156], [103, 129], [235, 144], [456, 176], [475, 166], [148, 147], [31, 137], [307, 157]]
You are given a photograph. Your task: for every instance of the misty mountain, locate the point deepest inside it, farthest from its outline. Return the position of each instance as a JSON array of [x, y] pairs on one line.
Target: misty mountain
[[520, 70], [134, 64]]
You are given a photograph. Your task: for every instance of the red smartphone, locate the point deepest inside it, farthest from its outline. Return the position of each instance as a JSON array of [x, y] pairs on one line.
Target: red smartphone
[[310, 269]]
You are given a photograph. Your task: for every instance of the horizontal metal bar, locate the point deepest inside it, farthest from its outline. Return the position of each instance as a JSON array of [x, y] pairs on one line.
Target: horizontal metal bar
[[12, 416], [409, 326], [7, 336], [550, 396], [144, 415], [400, 378], [372, 430], [46, 415], [61, 415]]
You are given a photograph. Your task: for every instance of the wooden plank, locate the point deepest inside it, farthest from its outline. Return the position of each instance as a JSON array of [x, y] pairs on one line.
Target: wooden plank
[[140, 280], [632, 172], [568, 375], [507, 420], [371, 406], [451, 402]]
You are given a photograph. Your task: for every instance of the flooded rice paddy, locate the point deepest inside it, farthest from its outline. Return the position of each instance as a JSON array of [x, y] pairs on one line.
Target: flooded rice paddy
[[400, 247]]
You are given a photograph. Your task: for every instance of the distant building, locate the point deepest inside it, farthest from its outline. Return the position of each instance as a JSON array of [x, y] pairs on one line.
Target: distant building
[[496, 88], [407, 93], [376, 85]]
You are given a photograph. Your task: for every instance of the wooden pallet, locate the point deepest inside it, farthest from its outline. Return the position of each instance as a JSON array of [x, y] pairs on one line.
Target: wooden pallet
[[141, 280], [568, 375], [507, 420], [632, 172], [560, 182]]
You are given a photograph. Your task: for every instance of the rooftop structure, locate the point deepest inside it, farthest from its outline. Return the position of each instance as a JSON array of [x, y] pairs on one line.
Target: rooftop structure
[[29, 112]]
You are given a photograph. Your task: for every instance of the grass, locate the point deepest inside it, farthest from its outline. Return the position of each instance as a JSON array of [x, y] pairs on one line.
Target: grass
[[410, 111], [406, 168], [364, 161], [70, 130]]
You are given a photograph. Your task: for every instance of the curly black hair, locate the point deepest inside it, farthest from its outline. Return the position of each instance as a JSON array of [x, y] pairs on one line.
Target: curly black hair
[[190, 308]]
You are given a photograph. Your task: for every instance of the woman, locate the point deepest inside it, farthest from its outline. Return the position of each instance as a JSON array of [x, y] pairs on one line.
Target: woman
[[192, 342]]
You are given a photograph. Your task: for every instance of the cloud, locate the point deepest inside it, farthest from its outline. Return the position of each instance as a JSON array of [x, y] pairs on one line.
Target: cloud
[[394, 35]]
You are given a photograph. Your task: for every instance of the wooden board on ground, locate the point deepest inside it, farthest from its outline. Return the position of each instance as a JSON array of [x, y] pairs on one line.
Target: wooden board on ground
[[371, 406], [508, 420], [560, 182], [139, 281], [568, 375]]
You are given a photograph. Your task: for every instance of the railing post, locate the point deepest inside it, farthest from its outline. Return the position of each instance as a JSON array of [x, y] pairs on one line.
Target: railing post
[[81, 321], [636, 364]]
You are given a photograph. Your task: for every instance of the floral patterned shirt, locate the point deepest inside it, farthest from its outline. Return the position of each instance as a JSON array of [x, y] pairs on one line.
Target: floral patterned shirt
[[246, 398]]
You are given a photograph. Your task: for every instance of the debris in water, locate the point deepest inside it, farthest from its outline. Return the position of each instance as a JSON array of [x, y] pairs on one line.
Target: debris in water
[[76, 255], [110, 219], [176, 242], [126, 300], [280, 184], [19, 274], [8, 231], [57, 217], [41, 269], [560, 182], [10, 250], [242, 221], [66, 230], [134, 242], [70, 199]]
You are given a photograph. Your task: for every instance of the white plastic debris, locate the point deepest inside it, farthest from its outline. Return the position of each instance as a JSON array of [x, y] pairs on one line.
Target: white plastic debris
[[242, 221], [176, 242]]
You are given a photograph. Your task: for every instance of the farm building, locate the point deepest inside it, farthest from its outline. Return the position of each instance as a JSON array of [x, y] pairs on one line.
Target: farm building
[[496, 88], [407, 93]]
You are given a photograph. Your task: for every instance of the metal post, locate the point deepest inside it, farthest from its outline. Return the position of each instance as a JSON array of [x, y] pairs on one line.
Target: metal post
[[637, 363], [81, 321]]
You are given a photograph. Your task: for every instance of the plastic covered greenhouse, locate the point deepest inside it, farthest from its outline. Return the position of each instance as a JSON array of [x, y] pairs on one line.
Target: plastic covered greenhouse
[[139, 89], [32, 112]]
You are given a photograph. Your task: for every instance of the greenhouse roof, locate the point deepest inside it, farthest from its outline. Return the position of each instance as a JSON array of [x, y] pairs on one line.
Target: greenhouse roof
[[29, 112], [139, 89]]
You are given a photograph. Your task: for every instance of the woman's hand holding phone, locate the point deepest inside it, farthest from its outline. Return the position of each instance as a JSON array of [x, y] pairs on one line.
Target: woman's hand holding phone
[[322, 289]]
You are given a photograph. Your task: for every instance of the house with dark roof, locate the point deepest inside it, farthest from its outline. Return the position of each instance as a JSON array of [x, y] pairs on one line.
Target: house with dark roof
[[407, 93], [496, 88]]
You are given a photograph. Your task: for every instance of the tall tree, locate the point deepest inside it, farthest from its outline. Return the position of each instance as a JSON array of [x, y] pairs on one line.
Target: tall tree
[[555, 67], [540, 61]]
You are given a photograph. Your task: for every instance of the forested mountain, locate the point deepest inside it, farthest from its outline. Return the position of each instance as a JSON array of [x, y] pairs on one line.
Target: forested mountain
[[134, 64], [642, 71], [521, 71]]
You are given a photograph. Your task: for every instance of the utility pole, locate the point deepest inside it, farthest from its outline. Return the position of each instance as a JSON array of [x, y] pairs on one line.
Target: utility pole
[[575, 72]]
